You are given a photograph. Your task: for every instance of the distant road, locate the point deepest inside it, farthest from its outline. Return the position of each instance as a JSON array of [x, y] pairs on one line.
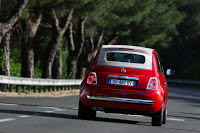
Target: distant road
[[59, 115]]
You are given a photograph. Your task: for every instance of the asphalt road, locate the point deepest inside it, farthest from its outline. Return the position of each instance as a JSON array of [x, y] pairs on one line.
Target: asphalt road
[[59, 115]]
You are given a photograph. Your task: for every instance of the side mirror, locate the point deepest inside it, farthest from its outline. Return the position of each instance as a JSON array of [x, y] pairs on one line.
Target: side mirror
[[170, 72], [86, 64]]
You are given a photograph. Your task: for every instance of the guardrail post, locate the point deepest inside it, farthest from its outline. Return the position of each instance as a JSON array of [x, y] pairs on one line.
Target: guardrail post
[[49, 88], [23, 88], [65, 88], [35, 89], [29, 89], [45, 89], [10, 88], [53, 88], [68, 87], [17, 88], [3, 88], [40, 89]]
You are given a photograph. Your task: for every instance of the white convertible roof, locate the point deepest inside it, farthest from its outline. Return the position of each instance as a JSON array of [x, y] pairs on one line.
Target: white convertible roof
[[146, 52]]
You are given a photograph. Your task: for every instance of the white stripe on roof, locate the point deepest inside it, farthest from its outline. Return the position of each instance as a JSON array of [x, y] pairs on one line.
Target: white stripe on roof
[[147, 52]]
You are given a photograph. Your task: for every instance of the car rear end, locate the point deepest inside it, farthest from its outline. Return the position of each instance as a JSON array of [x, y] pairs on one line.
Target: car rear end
[[122, 80]]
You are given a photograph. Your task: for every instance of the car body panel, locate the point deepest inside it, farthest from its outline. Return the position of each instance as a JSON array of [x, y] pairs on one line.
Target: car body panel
[[141, 76]]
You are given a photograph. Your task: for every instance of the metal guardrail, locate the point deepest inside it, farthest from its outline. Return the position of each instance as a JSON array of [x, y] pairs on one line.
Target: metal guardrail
[[16, 84], [181, 81]]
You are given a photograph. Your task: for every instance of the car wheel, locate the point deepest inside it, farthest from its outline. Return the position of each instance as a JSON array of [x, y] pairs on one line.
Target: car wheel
[[157, 118], [85, 112], [164, 116]]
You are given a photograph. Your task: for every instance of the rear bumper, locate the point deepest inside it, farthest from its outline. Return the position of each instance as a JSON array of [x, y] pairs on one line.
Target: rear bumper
[[149, 101], [121, 100]]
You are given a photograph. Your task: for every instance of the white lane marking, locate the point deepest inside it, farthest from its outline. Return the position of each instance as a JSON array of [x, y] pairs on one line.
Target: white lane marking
[[24, 116], [8, 104], [7, 119], [136, 115], [174, 119], [54, 108], [47, 107], [49, 111], [60, 109]]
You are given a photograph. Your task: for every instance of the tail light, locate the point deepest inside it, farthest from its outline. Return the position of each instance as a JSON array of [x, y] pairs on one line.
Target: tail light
[[92, 78], [153, 83]]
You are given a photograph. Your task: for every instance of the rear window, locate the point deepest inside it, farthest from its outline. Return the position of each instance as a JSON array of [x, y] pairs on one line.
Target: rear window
[[125, 57]]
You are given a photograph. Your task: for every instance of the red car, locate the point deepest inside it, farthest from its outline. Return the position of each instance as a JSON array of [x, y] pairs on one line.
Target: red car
[[128, 80]]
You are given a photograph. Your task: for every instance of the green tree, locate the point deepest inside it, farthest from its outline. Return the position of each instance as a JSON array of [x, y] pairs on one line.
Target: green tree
[[7, 24], [147, 23], [32, 17]]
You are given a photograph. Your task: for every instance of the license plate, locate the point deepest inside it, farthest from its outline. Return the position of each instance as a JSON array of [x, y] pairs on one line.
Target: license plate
[[122, 82]]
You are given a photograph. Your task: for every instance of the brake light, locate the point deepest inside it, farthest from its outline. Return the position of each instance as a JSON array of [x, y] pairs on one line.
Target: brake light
[[153, 83], [92, 78]]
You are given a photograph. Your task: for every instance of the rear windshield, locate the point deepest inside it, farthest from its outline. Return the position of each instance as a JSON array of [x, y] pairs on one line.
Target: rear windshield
[[125, 57]]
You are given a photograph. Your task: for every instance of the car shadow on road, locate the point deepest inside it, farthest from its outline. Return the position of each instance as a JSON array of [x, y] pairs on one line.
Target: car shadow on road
[[32, 105], [35, 113], [71, 116], [122, 121]]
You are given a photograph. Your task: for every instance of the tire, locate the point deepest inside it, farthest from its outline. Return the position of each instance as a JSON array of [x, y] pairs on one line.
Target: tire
[[164, 116], [157, 119], [85, 112]]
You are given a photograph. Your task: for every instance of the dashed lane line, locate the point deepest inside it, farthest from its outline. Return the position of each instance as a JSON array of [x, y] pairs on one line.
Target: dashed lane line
[[7, 119], [59, 109], [8, 104], [24, 116], [136, 115], [54, 108], [49, 111], [174, 119]]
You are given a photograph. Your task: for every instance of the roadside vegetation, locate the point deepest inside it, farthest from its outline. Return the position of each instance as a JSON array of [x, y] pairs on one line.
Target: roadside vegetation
[[54, 38]]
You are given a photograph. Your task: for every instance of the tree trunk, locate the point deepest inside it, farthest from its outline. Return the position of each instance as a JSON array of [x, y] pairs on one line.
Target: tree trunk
[[114, 40], [57, 65], [58, 33], [91, 54], [6, 26], [6, 44], [27, 49], [79, 48], [27, 55], [71, 48]]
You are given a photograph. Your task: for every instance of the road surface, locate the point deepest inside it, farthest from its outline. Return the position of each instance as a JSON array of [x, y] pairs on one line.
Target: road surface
[[59, 115]]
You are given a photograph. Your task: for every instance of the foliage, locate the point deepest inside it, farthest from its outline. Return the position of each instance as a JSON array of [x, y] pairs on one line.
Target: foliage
[[15, 68], [37, 70], [169, 26]]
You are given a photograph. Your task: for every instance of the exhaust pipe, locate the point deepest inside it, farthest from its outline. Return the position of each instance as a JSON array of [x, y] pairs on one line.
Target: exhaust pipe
[[96, 108]]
